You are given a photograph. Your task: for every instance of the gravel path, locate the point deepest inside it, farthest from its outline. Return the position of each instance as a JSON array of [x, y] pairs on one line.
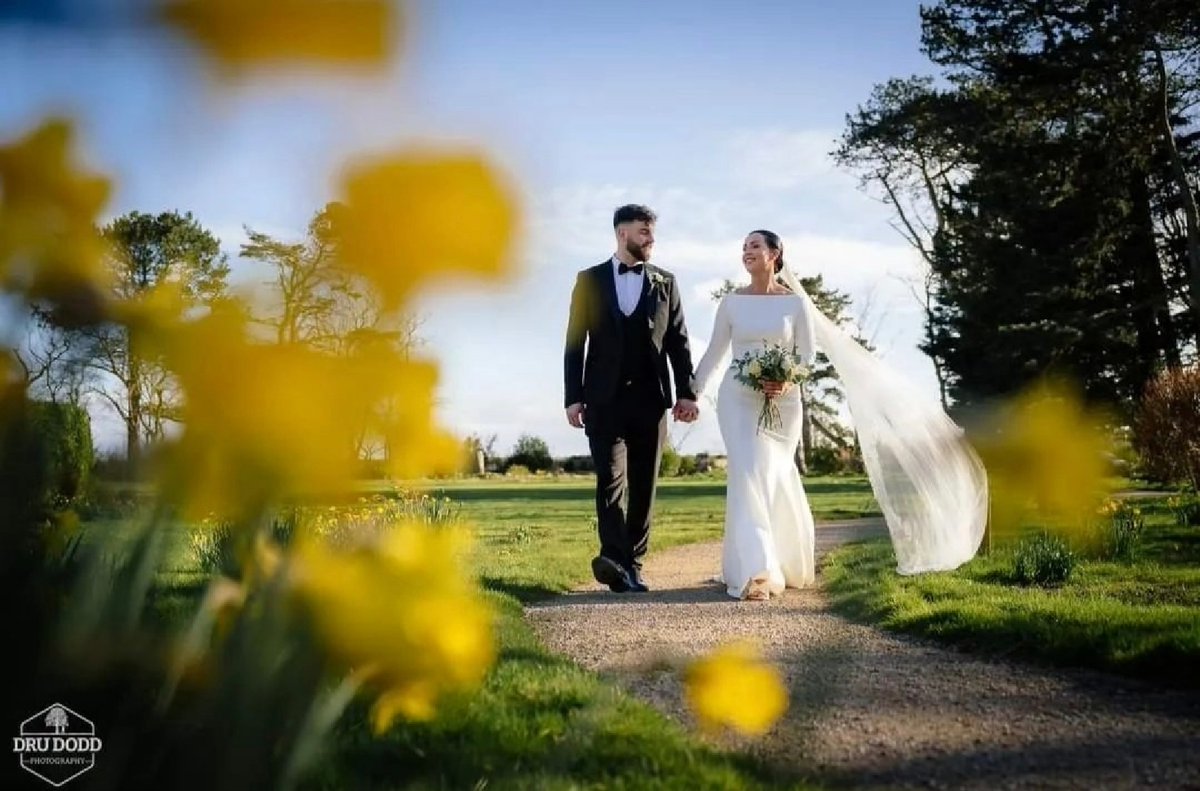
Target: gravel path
[[874, 710]]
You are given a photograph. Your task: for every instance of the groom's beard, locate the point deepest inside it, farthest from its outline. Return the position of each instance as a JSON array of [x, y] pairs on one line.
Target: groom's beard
[[638, 252]]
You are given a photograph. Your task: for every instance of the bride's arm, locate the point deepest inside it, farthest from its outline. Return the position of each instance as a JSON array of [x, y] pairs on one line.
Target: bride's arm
[[718, 348]]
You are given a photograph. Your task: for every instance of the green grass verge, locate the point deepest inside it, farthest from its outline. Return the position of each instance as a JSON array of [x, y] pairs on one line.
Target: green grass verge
[[1140, 618]]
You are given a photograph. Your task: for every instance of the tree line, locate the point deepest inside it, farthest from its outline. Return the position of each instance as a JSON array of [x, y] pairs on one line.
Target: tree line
[[309, 299], [1045, 172]]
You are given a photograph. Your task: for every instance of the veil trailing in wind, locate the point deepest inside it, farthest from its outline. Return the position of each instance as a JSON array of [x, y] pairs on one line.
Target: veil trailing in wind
[[928, 481]]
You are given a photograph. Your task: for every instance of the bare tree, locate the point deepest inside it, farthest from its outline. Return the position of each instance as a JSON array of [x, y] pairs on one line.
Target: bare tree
[[902, 153], [51, 359], [316, 302], [1183, 185]]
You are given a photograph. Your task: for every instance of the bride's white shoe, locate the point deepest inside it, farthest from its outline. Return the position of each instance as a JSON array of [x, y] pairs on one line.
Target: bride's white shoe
[[757, 589]]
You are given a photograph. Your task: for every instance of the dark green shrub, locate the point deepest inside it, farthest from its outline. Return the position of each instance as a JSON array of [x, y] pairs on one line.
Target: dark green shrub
[[1043, 560], [668, 466], [823, 460], [532, 453], [64, 433]]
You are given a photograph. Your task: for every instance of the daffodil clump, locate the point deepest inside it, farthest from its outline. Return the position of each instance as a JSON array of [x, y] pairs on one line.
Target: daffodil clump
[[385, 601]]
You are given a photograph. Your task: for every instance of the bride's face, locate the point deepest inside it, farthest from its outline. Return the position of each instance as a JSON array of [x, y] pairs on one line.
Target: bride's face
[[757, 256]]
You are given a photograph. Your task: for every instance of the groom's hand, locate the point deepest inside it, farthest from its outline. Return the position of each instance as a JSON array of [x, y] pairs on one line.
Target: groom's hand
[[575, 415], [685, 410]]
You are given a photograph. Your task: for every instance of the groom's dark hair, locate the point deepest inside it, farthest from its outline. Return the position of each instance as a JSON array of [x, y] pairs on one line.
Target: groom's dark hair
[[633, 212]]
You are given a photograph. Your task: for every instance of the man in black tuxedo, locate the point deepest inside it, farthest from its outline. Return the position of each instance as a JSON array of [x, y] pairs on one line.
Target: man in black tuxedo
[[626, 326]]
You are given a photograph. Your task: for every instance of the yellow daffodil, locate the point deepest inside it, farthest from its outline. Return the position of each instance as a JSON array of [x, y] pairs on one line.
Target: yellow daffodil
[[411, 218], [242, 33], [152, 311], [263, 420], [49, 245], [733, 687], [406, 612], [414, 702], [1046, 461]]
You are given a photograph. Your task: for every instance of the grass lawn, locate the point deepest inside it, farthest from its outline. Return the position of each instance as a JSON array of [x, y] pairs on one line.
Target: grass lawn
[[540, 722], [1140, 618]]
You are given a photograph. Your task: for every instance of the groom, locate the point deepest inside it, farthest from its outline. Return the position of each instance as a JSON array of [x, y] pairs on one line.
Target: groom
[[626, 325]]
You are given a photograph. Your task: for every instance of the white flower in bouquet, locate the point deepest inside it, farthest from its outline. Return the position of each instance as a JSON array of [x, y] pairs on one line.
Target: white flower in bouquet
[[775, 363]]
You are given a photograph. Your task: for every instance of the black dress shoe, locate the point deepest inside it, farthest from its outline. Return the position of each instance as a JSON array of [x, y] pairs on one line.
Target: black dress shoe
[[609, 572], [636, 583]]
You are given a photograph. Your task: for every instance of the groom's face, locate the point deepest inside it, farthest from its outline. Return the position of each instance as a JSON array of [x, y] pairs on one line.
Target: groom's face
[[637, 237]]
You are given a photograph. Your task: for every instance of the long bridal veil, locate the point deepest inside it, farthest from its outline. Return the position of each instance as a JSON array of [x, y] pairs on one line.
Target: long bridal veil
[[928, 481]]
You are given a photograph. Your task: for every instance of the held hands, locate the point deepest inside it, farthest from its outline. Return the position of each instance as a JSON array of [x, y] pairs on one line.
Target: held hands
[[775, 389], [685, 411]]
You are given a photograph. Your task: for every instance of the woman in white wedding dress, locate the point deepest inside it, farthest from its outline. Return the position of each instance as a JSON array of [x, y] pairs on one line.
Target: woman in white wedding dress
[[928, 481], [769, 530]]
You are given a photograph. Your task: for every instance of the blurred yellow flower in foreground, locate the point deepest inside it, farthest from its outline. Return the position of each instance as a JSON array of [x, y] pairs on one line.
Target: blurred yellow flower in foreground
[[242, 33], [1046, 461], [411, 218], [49, 245], [403, 415], [151, 312], [733, 687], [404, 615], [263, 420]]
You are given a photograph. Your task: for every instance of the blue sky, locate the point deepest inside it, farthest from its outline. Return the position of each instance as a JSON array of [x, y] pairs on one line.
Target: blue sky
[[718, 115]]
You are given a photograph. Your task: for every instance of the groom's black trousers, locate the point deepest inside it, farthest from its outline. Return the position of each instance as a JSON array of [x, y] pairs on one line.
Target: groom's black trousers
[[626, 438]]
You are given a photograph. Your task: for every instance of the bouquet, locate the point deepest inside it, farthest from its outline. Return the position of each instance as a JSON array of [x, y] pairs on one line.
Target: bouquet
[[774, 363]]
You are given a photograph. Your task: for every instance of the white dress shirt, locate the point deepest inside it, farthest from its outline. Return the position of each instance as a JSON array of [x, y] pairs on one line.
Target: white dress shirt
[[629, 287]]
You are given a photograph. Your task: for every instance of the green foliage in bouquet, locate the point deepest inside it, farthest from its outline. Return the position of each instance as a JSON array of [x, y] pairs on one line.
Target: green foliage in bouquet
[[774, 363]]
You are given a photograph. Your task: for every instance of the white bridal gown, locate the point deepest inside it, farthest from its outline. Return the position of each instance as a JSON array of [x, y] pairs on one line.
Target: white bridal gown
[[769, 530]]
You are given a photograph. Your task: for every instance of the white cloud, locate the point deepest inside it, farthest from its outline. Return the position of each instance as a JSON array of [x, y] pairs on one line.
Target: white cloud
[[783, 159]]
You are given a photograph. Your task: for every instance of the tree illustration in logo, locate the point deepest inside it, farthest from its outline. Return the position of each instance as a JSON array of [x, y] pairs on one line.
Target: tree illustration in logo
[[57, 719]]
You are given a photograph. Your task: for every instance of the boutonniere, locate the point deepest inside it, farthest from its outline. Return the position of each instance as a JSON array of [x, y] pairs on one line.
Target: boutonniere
[[658, 283]]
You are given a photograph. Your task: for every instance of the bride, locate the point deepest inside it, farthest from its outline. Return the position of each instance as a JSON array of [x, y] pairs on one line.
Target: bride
[[929, 484]]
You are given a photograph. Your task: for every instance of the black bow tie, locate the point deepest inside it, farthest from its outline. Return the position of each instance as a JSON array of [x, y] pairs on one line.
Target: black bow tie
[[623, 268]]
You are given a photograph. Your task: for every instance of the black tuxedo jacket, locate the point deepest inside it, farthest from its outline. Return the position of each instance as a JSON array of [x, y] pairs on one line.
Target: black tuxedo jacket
[[592, 359]]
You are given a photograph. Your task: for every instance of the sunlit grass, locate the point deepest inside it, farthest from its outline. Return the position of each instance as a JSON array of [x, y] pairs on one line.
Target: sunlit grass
[[1140, 618]]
